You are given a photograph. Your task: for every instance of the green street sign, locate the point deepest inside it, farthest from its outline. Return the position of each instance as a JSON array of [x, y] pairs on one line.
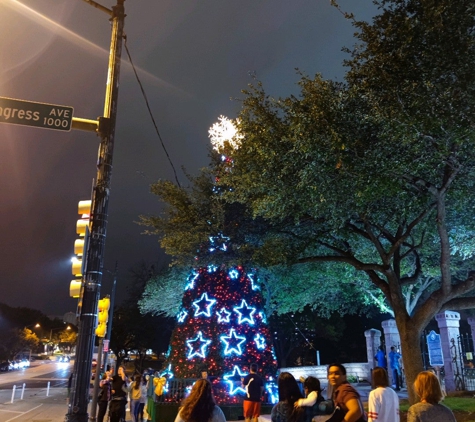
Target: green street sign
[[27, 113]]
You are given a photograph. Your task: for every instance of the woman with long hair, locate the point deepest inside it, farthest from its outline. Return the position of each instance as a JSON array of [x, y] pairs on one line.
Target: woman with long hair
[[313, 397], [289, 393], [383, 402], [135, 395], [429, 409], [200, 405]]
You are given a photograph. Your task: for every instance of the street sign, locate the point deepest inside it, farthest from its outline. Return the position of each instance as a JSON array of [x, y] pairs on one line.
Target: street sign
[[105, 345], [27, 113]]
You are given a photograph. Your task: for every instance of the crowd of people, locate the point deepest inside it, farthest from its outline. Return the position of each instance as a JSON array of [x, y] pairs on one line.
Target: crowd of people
[[343, 403]]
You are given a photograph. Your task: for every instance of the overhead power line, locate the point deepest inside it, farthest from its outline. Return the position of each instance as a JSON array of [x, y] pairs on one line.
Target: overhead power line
[[150, 111]]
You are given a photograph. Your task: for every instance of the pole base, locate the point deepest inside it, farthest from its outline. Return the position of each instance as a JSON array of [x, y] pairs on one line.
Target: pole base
[[76, 417]]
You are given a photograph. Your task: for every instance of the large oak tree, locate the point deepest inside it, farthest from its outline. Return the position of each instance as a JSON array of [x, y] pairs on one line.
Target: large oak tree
[[376, 172]]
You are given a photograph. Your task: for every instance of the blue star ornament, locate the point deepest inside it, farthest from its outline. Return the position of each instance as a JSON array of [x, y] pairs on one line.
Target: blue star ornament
[[233, 343], [233, 274], [260, 342], [182, 315], [245, 313], [203, 305], [223, 315], [235, 378], [197, 346]]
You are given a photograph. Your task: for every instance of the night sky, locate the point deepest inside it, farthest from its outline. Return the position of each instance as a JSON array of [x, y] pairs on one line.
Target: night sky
[[193, 56]]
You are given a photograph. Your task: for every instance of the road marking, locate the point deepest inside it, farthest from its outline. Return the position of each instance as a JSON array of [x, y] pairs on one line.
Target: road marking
[[24, 413]]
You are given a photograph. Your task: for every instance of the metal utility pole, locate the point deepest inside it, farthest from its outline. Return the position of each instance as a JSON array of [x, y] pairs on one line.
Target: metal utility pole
[[79, 399]]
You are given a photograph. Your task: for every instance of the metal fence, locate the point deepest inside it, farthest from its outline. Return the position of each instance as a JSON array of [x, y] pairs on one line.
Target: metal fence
[[179, 388], [462, 352]]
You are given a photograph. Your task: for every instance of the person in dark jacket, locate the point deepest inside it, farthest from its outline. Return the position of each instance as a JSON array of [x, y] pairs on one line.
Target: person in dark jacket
[[119, 396], [104, 397]]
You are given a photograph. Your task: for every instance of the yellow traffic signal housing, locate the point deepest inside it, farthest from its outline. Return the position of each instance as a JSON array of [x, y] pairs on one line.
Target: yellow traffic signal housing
[[75, 288], [102, 316], [80, 247]]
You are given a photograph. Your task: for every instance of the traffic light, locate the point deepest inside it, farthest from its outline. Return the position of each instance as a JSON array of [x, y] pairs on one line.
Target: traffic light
[[80, 248], [102, 316]]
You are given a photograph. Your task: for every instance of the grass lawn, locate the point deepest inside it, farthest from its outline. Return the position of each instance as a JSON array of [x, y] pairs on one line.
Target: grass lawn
[[463, 408]]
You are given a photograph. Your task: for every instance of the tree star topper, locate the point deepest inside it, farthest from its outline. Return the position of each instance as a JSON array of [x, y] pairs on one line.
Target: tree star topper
[[224, 130]]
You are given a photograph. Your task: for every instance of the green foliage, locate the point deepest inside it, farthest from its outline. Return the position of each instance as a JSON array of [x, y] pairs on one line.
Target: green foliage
[[136, 331], [376, 173], [163, 293]]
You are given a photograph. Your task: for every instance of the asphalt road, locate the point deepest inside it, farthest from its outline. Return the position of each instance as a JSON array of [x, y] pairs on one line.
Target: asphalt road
[[37, 376]]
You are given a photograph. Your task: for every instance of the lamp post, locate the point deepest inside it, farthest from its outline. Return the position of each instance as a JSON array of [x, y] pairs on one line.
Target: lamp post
[[37, 325], [56, 329]]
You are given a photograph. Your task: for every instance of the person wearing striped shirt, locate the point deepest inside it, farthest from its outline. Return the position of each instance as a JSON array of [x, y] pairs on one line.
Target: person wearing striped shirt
[[383, 402]]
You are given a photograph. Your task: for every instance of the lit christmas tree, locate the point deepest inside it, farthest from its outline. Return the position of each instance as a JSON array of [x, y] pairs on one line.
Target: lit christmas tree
[[222, 326]]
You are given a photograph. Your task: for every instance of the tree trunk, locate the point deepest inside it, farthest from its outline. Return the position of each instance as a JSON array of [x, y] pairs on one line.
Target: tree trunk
[[410, 335]]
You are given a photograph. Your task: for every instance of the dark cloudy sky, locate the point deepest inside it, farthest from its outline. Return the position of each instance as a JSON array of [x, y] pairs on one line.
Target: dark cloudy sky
[[193, 56]]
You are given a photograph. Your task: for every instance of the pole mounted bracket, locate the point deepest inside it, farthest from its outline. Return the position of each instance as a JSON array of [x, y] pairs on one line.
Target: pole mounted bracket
[[104, 126]]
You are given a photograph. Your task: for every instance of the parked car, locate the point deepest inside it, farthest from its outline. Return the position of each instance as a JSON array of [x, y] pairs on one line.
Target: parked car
[[4, 366]]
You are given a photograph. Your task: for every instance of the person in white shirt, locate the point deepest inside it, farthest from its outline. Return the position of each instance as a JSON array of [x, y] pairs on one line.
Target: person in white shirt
[[383, 402], [312, 392]]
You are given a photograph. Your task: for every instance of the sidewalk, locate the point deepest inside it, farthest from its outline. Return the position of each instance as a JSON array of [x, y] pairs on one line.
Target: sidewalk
[[37, 407]]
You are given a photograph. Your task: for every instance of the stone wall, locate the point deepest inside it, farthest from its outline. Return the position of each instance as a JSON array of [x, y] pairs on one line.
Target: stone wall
[[360, 370]]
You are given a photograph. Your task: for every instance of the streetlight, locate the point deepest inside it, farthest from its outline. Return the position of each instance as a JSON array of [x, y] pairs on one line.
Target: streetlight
[[56, 329], [37, 325]]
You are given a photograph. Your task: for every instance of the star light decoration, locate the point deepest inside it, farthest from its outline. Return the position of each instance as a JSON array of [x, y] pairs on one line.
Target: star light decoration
[[272, 390], [197, 346], [168, 372], [191, 280], [182, 315], [223, 315], [251, 279], [233, 274], [212, 268], [245, 313], [232, 343], [218, 243], [223, 131], [233, 377], [260, 341], [203, 305]]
